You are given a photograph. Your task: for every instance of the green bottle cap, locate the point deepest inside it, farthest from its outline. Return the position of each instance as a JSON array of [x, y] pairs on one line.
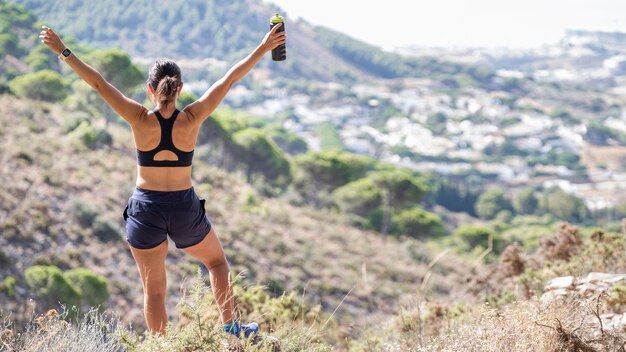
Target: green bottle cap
[[277, 19]]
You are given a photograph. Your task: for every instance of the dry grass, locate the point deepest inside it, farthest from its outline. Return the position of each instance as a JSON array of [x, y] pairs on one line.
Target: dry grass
[[532, 326]]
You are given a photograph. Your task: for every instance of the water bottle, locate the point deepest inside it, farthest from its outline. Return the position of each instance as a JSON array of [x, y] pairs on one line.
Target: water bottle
[[280, 52]]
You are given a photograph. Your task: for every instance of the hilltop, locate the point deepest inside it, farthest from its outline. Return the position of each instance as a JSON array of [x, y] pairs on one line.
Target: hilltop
[[229, 30], [62, 204]]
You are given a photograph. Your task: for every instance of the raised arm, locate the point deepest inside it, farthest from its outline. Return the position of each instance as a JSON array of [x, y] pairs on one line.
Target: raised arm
[[127, 108], [203, 107]]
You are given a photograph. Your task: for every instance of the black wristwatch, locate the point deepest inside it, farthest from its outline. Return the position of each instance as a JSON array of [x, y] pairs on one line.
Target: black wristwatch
[[65, 53]]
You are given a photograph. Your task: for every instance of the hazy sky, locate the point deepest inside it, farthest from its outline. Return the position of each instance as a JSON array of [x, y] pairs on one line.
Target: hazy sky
[[520, 23]]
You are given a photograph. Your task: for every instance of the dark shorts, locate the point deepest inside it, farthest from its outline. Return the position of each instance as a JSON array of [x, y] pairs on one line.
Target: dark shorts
[[153, 215]]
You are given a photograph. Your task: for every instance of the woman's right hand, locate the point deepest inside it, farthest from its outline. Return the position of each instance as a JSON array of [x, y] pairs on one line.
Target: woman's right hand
[[273, 39], [51, 39]]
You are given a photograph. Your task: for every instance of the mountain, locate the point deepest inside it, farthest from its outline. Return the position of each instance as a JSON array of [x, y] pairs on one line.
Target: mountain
[[228, 30]]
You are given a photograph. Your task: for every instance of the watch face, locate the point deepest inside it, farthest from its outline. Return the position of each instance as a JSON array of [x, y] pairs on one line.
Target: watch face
[[66, 52]]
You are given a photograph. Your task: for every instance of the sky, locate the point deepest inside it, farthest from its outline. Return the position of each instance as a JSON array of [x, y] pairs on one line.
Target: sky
[[459, 23]]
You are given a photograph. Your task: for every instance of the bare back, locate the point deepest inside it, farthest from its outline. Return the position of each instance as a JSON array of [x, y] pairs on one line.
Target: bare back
[[147, 134]]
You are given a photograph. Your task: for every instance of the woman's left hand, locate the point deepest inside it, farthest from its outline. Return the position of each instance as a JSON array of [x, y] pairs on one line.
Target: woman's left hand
[[51, 39]]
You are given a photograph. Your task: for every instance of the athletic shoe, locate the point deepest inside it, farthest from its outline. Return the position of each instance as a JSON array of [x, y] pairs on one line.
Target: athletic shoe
[[236, 329]]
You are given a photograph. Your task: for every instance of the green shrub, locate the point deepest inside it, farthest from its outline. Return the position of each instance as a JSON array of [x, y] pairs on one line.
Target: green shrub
[[492, 202], [617, 297], [419, 223], [93, 287], [49, 284], [185, 98], [85, 213], [91, 136], [8, 286], [359, 197], [4, 258], [474, 236], [44, 85], [73, 120], [105, 230]]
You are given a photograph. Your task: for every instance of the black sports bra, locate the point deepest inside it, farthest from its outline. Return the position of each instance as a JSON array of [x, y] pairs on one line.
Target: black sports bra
[[146, 158]]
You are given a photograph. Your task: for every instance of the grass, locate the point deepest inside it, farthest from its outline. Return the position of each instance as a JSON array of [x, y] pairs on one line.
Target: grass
[[295, 328]]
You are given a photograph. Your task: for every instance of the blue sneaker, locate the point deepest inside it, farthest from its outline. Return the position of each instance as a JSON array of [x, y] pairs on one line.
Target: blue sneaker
[[236, 329]]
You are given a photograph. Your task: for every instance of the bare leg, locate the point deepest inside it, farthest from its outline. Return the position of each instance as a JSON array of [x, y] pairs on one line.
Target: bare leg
[[211, 254], [151, 265]]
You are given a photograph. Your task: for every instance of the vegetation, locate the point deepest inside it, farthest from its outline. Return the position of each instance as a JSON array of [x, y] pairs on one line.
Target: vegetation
[[49, 284], [329, 138], [199, 328], [62, 222], [259, 155], [490, 203], [42, 85], [233, 29], [78, 224]]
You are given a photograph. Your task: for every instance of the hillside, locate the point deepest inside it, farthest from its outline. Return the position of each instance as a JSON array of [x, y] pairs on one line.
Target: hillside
[[228, 30], [62, 201]]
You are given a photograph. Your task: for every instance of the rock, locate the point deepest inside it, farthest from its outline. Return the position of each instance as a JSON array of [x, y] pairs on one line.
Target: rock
[[560, 283], [550, 296], [589, 288], [602, 277]]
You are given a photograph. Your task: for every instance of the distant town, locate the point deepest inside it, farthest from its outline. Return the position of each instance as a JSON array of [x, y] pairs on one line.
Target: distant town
[[560, 124]]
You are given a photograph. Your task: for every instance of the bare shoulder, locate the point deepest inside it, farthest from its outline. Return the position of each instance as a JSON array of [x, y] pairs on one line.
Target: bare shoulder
[[142, 115], [188, 114]]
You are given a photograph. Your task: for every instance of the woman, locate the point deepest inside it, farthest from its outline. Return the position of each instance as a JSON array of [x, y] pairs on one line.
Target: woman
[[164, 201]]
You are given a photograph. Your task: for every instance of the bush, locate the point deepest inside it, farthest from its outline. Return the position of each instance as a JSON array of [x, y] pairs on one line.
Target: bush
[[73, 120], [105, 230], [93, 287], [419, 223], [474, 236], [617, 297], [185, 98], [44, 85], [563, 206], [49, 284], [526, 201], [360, 197], [85, 213], [8, 286], [490, 203], [90, 136], [260, 155]]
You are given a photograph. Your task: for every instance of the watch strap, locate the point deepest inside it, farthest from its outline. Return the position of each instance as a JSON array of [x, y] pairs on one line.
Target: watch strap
[[65, 53]]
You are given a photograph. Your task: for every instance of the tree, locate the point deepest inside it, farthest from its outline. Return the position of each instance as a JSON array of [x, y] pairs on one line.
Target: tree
[[491, 202], [563, 206], [44, 85], [474, 236], [419, 223], [320, 173], [41, 58], [286, 140], [399, 189], [526, 202], [116, 67], [261, 156], [437, 123], [378, 195]]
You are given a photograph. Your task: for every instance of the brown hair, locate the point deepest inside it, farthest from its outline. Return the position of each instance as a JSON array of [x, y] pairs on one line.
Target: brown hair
[[165, 78]]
